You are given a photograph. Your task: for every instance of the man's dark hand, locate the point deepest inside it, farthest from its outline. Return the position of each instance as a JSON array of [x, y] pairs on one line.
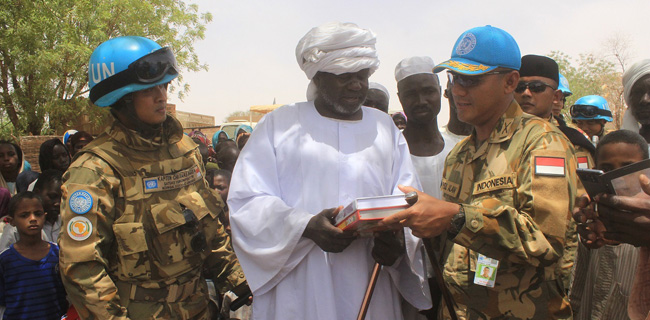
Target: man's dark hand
[[627, 219], [322, 231], [388, 246], [590, 228]]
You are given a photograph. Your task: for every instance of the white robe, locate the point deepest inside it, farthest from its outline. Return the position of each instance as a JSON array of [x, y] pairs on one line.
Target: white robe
[[296, 164], [429, 169]]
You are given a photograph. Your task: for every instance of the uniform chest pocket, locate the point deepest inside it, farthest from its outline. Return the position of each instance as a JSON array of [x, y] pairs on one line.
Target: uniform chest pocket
[[132, 248], [173, 238]]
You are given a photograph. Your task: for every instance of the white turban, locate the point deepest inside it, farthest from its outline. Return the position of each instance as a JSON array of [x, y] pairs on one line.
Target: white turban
[[380, 87], [336, 48], [630, 77], [413, 65]]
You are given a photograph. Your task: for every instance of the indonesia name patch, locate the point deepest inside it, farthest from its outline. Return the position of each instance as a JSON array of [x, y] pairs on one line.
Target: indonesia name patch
[[549, 166], [80, 201], [79, 228], [583, 163]]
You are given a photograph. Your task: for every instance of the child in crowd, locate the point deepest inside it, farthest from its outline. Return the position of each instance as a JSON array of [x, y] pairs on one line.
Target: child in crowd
[[30, 284], [11, 164], [603, 277], [48, 188], [219, 180]]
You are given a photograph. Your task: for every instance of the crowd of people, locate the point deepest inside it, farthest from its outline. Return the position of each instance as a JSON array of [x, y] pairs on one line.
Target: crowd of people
[[145, 222]]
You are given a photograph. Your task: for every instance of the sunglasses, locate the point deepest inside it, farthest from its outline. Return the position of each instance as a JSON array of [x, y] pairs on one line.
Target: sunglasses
[[534, 86], [580, 110], [470, 81], [148, 69]]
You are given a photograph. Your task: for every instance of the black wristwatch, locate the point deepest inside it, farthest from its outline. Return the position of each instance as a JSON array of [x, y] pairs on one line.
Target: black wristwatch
[[457, 222]]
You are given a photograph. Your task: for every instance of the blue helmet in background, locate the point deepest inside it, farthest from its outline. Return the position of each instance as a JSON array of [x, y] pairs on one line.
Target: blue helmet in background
[[68, 134], [591, 107], [564, 86], [128, 64]]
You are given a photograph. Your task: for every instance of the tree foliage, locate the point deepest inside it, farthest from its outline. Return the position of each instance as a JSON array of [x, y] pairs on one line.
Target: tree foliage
[[45, 46]]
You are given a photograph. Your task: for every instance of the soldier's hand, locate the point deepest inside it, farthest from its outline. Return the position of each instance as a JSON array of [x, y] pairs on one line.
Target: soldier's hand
[[322, 231], [388, 246], [590, 228], [427, 218]]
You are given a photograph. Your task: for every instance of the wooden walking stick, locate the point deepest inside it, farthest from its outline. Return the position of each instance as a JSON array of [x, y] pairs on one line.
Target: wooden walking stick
[[369, 290]]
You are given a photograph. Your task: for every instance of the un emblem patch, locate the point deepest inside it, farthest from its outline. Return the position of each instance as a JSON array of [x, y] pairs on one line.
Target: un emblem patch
[[80, 202], [467, 44], [151, 184]]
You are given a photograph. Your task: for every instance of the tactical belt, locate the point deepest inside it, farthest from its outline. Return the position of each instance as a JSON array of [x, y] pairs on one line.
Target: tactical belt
[[169, 293]]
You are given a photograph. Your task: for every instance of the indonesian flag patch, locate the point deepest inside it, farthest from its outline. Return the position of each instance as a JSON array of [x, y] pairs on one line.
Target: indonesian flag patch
[[582, 163], [549, 166]]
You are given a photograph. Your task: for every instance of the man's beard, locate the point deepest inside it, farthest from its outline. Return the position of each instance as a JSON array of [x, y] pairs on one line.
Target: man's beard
[[337, 107]]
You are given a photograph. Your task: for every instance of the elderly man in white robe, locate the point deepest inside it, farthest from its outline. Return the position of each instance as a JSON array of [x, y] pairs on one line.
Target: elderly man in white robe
[[307, 157]]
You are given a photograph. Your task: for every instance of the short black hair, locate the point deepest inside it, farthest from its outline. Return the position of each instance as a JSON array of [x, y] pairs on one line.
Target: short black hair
[[75, 138], [624, 136], [211, 173], [47, 177], [15, 201]]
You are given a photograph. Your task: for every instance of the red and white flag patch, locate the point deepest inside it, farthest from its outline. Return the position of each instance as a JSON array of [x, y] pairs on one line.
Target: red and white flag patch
[[549, 166], [583, 163]]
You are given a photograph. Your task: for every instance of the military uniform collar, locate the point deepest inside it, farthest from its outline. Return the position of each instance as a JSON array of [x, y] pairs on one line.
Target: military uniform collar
[[171, 132]]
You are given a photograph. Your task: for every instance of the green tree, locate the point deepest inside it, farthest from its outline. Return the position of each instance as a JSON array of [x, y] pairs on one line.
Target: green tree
[[45, 46]]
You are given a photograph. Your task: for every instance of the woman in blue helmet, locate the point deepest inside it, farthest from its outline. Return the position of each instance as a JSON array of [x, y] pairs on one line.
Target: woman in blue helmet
[[590, 114], [140, 220]]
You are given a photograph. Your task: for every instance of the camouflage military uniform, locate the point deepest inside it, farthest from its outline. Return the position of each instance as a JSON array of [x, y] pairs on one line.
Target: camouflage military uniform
[[517, 189], [585, 160], [140, 227]]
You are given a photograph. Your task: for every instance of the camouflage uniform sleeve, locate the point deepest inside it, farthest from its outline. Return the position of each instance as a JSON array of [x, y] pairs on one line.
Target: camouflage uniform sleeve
[[527, 225], [226, 273], [87, 238]]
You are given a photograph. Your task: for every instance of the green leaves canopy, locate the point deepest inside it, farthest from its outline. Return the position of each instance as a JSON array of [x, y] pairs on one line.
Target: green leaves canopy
[[45, 46]]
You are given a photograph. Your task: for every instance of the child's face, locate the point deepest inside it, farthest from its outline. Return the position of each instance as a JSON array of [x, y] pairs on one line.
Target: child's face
[[51, 195], [29, 217], [8, 159], [615, 155], [221, 186]]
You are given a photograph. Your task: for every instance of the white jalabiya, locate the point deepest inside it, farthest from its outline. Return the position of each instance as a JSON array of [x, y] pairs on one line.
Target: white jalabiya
[[429, 169], [296, 164]]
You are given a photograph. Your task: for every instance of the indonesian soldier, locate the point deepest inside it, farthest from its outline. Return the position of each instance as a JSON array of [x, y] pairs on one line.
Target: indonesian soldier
[[508, 191], [140, 220]]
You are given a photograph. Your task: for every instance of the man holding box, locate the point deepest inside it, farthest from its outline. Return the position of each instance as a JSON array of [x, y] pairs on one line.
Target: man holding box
[[306, 157], [508, 191]]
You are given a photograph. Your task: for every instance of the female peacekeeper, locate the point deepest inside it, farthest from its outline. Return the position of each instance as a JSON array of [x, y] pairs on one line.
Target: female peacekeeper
[[140, 220]]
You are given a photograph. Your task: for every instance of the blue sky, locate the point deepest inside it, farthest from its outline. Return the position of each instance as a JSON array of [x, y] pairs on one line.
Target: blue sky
[[250, 44]]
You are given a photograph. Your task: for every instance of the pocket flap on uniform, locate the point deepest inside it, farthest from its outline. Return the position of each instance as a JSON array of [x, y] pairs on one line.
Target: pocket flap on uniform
[[194, 201], [167, 216], [130, 238]]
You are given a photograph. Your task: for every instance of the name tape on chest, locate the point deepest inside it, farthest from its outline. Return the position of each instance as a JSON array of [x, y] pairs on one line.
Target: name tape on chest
[[583, 163], [172, 181], [549, 166], [495, 183], [449, 188]]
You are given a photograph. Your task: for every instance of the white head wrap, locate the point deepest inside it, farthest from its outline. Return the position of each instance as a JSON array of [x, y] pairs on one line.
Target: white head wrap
[[378, 86], [413, 65], [336, 48], [632, 75]]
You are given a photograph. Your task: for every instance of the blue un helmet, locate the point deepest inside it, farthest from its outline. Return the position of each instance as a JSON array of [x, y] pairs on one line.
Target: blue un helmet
[[123, 65], [591, 108], [564, 86]]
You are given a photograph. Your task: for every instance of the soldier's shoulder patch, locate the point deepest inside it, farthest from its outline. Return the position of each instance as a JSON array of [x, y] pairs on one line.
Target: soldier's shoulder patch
[[549, 166], [79, 228], [583, 162], [80, 201]]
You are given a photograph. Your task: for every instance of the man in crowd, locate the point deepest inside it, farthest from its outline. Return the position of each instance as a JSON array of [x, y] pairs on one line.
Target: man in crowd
[[377, 97], [305, 160], [508, 190]]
